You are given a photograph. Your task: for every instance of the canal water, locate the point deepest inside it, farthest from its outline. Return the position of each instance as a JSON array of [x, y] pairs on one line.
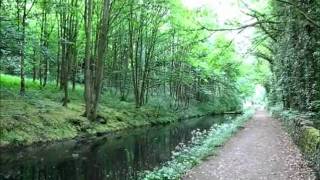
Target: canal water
[[117, 157]]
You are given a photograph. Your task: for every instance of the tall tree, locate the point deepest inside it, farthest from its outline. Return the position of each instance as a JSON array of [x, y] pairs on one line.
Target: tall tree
[[22, 24], [68, 40], [94, 64]]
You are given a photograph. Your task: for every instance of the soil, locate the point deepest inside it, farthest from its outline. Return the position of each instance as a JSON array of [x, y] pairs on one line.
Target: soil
[[262, 150]]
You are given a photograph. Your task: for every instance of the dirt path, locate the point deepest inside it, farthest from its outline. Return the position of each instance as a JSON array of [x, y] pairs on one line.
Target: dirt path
[[262, 150]]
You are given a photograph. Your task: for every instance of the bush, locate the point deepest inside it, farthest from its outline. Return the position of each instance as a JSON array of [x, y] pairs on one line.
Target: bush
[[202, 145]]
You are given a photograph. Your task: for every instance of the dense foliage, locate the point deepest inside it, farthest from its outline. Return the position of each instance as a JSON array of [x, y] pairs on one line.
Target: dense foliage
[[142, 51], [72, 67], [291, 34]]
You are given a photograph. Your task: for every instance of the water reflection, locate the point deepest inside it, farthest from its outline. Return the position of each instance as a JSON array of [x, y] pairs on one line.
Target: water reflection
[[118, 157]]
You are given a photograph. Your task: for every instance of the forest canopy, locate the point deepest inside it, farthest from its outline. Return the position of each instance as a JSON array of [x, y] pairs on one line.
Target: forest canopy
[[72, 68], [164, 52], [80, 70], [142, 51]]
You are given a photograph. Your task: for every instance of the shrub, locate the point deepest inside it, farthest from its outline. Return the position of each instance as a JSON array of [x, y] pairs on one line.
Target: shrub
[[202, 145]]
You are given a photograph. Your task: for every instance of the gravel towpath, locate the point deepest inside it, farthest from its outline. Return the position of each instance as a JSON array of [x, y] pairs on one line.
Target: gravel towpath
[[262, 150]]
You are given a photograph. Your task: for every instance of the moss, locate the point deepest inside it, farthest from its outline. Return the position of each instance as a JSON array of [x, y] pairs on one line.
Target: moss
[[306, 137], [309, 143], [309, 140], [40, 117]]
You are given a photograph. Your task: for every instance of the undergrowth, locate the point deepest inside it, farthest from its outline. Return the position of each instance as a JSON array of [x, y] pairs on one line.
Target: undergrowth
[[39, 115], [202, 144]]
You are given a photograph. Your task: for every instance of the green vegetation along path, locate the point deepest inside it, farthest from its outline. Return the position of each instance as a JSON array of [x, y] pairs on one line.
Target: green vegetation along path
[[262, 150]]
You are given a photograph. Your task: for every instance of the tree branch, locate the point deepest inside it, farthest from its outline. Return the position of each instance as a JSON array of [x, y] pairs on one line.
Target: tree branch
[[301, 12], [30, 8], [264, 56]]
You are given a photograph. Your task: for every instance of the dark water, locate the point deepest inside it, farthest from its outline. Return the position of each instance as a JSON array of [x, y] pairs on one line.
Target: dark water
[[119, 156]]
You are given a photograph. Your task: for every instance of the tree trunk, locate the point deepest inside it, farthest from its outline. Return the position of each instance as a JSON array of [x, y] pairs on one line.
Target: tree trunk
[[34, 65], [87, 75], [22, 80], [93, 86]]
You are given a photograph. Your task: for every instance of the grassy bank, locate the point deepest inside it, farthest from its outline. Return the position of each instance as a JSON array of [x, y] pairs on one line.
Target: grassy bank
[[304, 132], [40, 117], [202, 145]]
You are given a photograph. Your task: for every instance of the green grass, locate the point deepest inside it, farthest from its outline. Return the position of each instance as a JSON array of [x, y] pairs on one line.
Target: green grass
[[40, 117], [203, 144]]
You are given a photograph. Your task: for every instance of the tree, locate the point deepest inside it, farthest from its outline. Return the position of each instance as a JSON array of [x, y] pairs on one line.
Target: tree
[[68, 40], [94, 64], [22, 17]]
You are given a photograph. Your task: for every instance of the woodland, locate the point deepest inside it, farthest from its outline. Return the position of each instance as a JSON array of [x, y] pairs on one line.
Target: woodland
[[155, 54], [147, 56], [74, 68]]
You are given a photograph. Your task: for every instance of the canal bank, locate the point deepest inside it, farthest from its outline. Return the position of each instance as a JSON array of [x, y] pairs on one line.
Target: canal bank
[[120, 156], [39, 117]]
